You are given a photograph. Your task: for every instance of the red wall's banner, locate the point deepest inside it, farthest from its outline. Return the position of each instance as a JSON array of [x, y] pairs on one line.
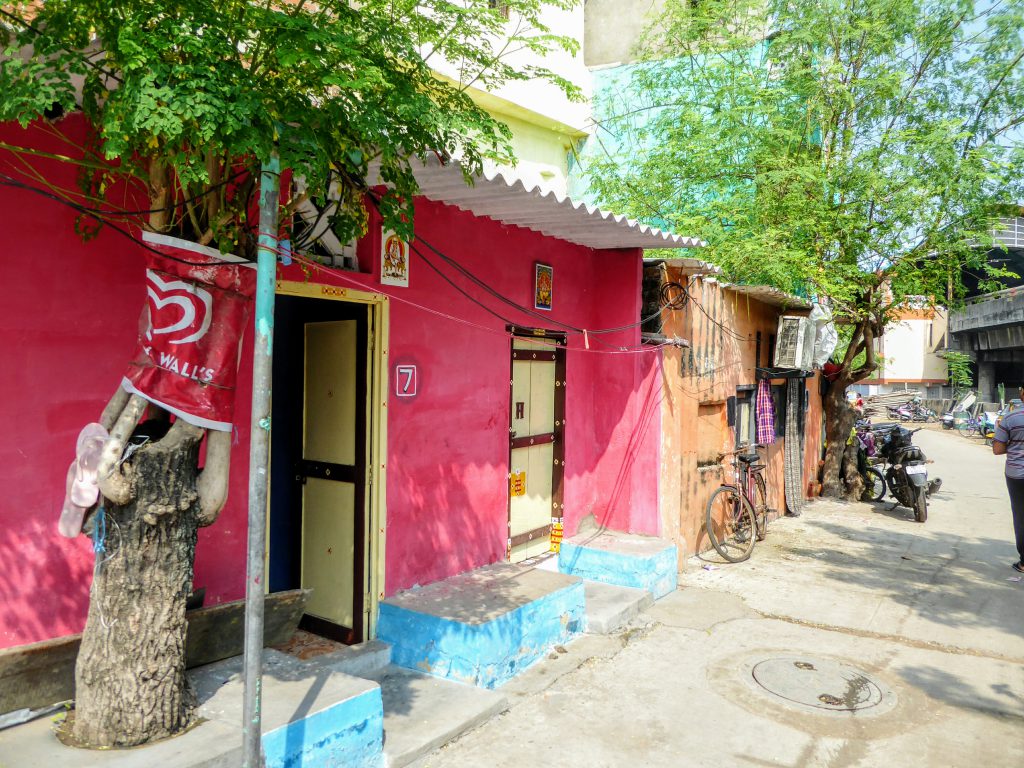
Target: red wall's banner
[[196, 309]]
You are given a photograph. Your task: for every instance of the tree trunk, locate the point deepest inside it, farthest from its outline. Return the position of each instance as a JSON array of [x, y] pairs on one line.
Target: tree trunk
[[851, 475], [839, 419], [130, 674]]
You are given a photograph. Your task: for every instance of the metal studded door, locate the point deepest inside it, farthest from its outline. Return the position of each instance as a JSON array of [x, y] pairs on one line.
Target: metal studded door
[[536, 443]]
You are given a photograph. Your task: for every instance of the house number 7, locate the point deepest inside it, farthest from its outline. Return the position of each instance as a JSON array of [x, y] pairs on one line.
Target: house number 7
[[405, 380]]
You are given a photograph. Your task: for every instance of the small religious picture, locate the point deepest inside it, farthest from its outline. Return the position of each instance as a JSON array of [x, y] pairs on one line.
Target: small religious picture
[[394, 260], [543, 277]]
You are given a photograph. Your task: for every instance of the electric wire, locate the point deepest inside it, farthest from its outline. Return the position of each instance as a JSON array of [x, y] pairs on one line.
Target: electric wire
[[110, 210], [343, 276], [10, 181], [508, 301], [6, 180]]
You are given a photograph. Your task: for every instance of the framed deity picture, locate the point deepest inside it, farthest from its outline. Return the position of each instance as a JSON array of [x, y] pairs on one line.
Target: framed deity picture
[[394, 260], [543, 279]]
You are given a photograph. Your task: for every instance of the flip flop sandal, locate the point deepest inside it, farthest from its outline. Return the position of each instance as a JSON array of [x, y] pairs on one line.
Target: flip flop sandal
[[1018, 567]]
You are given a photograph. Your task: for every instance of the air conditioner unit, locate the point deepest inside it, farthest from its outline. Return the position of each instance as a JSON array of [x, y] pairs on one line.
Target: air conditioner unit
[[794, 343]]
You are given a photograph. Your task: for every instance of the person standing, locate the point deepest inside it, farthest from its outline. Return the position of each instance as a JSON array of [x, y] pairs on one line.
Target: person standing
[[1009, 441]]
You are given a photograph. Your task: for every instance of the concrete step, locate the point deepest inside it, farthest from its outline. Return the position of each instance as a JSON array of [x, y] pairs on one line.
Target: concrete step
[[621, 559], [423, 712], [610, 607], [361, 660], [484, 626], [310, 717]]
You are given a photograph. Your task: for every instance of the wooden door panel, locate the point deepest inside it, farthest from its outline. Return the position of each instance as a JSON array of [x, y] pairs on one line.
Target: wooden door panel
[[330, 401], [542, 391], [533, 509], [328, 549], [521, 383]]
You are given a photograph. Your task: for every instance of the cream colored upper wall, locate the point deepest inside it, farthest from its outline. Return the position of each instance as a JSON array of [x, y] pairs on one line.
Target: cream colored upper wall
[[542, 155], [544, 122], [909, 349]]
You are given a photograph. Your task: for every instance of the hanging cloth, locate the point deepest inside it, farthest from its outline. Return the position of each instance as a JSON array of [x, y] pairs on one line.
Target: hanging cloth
[[793, 449], [765, 414]]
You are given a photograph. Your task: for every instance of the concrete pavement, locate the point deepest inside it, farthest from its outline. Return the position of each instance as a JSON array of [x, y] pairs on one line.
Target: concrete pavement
[[926, 612]]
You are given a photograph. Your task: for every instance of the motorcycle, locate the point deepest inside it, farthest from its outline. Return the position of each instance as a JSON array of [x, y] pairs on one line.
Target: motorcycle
[[900, 412], [907, 475], [911, 411]]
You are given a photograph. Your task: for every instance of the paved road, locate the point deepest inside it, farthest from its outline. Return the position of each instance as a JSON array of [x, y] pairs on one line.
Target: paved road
[[925, 611]]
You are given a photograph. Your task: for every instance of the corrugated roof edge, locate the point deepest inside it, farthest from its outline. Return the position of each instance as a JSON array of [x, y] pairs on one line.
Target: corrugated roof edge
[[538, 210], [768, 294], [693, 266]]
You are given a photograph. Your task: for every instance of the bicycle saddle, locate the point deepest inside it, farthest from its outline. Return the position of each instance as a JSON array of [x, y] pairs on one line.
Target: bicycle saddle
[[748, 458]]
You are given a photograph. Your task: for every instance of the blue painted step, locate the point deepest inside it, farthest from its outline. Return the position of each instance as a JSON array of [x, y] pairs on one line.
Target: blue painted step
[[622, 559], [485, 626]]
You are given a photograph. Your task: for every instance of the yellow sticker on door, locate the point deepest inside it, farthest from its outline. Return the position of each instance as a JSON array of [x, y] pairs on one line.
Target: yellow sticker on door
[[517, 483], [556, 535]]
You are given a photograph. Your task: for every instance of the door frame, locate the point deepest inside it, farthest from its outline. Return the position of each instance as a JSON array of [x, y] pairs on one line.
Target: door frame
[[375, 506], [560, 340]]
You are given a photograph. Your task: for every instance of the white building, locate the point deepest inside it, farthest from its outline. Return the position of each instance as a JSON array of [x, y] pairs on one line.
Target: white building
[[909, 353]]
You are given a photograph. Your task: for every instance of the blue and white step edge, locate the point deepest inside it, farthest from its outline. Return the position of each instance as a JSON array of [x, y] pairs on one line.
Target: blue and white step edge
[[640, 562], [486, 654], [349, 734], [311, 716]]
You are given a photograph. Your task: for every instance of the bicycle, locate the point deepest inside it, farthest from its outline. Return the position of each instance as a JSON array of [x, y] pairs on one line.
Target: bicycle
[[737, 514], [968, 425]]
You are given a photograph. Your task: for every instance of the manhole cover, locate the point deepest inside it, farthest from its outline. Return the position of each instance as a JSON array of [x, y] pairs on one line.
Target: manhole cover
[[818, 683]]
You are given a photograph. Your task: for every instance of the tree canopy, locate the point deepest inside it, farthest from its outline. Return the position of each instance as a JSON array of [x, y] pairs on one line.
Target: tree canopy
[[187, 95], [856, 149]]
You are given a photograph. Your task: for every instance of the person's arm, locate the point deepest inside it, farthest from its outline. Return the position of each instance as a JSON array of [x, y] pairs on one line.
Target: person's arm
[[1000, 439]]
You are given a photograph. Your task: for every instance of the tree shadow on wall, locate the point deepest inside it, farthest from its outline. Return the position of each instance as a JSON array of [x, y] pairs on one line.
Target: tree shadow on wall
[[46, 581], [651, 398]]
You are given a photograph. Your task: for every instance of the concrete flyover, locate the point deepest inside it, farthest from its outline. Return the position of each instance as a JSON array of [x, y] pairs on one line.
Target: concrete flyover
[[991, 326], [991, 329]]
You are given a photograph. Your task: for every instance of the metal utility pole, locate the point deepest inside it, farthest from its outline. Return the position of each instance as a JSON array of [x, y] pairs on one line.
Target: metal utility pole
[[259, 455]]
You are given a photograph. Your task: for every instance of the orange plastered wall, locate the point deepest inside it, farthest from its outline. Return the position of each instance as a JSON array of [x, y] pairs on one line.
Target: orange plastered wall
[[721, 326]]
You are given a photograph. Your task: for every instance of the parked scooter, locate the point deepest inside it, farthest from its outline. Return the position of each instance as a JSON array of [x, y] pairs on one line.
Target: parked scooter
[[911, 411], [900, 412], [960, 411], [987, 428], [907, 475]]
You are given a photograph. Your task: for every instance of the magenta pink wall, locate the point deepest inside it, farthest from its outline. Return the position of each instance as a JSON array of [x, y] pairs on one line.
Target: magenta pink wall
[[69, 315], [68, 329], [447, 490]]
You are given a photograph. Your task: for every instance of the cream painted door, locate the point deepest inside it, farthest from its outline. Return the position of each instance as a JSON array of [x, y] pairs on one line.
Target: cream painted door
[[329, 470], [535, 447]]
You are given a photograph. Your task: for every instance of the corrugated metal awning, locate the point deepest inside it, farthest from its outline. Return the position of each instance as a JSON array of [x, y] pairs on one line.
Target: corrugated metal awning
[[686, 265], [502, 197], [766, 294]]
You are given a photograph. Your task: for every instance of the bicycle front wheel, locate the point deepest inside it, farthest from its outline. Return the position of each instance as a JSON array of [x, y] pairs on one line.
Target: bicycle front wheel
[[874, 484], [730, 524]]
